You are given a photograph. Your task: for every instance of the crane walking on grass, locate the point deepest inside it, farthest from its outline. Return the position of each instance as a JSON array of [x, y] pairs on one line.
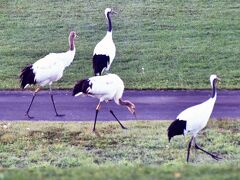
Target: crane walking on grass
[[105, 50], [47, 70], [194, 119], [105, 88]]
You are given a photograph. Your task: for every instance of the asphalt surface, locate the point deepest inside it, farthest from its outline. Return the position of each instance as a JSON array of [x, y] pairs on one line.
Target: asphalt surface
[[150, 105]]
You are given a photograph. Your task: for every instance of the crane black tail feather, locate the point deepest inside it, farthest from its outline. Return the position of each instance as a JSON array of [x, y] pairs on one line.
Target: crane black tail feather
[[100, 62], [82, 86], [27, 76], [176, 128]]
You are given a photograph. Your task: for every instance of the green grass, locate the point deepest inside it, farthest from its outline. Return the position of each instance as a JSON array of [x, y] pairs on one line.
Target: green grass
[[178, 43], [46, 150]]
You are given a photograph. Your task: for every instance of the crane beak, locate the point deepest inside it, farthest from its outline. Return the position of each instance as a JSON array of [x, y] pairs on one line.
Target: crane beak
[[113, 12], [134, 113], [78, 94], [77, 35], [218, 80]]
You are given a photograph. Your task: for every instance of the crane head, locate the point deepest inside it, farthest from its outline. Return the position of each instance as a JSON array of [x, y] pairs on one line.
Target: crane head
[[72, 35], [213, 79], [109, 10]]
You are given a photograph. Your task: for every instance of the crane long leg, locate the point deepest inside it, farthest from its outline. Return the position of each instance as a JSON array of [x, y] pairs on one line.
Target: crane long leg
[[97, 109], [210, 154], [117, 119], [189, 147], [30, 105], [55, 109]]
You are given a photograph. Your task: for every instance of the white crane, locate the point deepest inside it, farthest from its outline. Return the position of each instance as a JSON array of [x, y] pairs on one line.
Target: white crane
[[105, 88], [47, 70], [194, 119], [105, 50]]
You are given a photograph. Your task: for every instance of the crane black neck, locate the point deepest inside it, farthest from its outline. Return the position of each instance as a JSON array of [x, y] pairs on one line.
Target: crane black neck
[[109, 22], [214, 91]]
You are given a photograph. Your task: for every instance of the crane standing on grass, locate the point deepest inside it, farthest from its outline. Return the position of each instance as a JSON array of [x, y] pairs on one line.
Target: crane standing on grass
[[105, 88], [194, 119], [105, 50], [47, 70]]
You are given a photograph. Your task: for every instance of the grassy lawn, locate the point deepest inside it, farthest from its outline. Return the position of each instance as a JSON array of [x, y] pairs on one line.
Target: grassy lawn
[[69, 150], [178, 43]]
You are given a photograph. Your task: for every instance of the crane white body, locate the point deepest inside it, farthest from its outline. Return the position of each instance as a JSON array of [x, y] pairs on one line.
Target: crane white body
[[106, 47], [197, 116], [105, 88], [51, 67]]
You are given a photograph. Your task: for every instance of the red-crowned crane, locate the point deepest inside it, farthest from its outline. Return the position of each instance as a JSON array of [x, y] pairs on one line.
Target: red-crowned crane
[[105, 50], [105, 88], [47, 70], [194, 119]]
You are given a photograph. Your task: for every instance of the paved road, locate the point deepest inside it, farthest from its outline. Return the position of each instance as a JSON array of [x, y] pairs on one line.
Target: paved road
[[150, 105]]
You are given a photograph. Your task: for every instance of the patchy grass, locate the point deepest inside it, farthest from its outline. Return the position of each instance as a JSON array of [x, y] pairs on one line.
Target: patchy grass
[[178, 43], [47, 150]]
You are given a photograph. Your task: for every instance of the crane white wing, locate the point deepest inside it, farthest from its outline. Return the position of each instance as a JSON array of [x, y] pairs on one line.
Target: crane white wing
[[106, 47], [197, 116], [106, 87], [50, 68]]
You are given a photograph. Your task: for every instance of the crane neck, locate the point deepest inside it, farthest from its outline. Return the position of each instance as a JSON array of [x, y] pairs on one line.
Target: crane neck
[[109, 22], [125, 103], [109, 35], [214, 89], [71, 43]]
